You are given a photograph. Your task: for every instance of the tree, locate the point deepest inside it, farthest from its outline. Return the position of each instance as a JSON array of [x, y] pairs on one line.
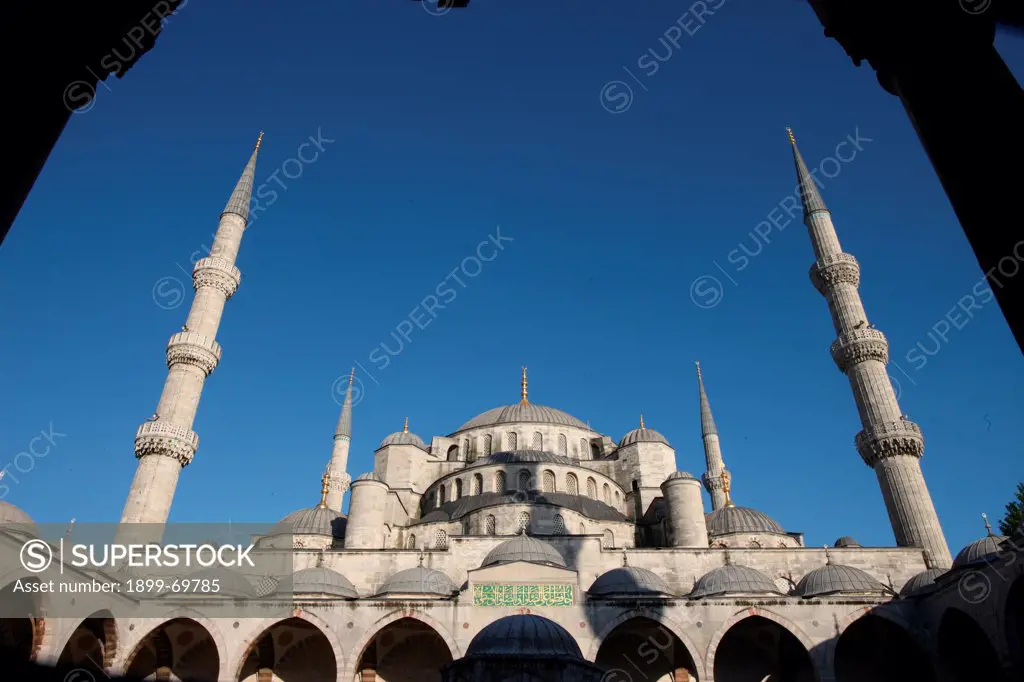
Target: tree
[[1014, 513]]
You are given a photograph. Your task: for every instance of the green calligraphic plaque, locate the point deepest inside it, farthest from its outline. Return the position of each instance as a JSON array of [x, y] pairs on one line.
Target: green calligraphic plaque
[[522, 595]]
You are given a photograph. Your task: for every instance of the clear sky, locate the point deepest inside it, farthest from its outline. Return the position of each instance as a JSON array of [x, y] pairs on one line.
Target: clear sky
[[442, 128]]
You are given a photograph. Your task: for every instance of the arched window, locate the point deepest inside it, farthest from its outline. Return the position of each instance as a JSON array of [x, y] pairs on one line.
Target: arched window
[[524, 522], [440, 539], [572, 484], [591, 488], [492, 526], [538, 440], [453, 453], [563, 446], [618, 497], [465, 449], [607, 493], [487, 444], [411, 542], [511, 441], [609, 539], [559, 525], [478, 484], [499, 482], [524, 480], [595, 452], [548, 482], [458, 488], [387, 539], [583, 448], [440, 496]]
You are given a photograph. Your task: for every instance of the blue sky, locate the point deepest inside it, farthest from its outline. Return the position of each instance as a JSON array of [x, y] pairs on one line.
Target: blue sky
[[441, 129]]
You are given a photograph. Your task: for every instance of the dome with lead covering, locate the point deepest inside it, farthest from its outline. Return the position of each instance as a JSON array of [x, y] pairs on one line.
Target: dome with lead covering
[[921, 582], [522, 457], [316, 521], [524, 548], [642, 435], [524, 635], [629, 580], [846, 541], [523, 413], [16, 519], [403, 438], [369, 476], [741, 520], [317, 580], [681, 474], [418, 580], [733, 579], [985, 548], [837, 579]]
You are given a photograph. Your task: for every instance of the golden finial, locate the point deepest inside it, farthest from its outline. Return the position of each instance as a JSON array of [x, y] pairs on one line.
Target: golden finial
[[524, 401], [697, 362], [988, 526], [259, 141], [405, 426], [642, 421], [625, 558], [351, 376], [325, 486], [792, 140], [726, 487]]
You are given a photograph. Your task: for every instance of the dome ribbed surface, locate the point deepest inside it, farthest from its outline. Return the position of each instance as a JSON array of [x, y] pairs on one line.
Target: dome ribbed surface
[[403, 438], [642, 436], [524, 635], [921, 581], [524, 548], [733, 579], [681, 474], [317, 580], [629, 580], [418, 580], [979, 549], [523, 413], [741, 520], [846, 541], [369, 476], [522, 457], [837, 579], [315, 521]]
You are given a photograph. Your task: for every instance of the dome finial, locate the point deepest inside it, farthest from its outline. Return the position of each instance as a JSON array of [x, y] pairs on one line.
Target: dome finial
[[325, 487], [789, 132], [642, 421], [421, 558], [828, 556], [988, 526], [351, 376], [727, 487], [523, 400], [259, 141], [405, 426], [625, 559]]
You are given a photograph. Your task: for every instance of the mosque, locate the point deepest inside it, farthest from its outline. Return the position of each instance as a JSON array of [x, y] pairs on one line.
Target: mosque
[[526, 546]]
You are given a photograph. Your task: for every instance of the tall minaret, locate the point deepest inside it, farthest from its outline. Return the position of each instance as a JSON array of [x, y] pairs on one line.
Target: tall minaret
[[166, 442], [712, 478], [339, 478], [889, 443]]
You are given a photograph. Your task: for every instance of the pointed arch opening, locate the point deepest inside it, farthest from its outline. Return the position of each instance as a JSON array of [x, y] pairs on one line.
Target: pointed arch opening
[[572, 484], [965, 652], [406, 649], [500, 485], [478, 484], [538, 440], [21, 633], [757, 648], [453, 453], [179, 649], [523, 481], [92, 646], [592, 488], [563, 445], [548, 481], [648, 650], [292, 650], [458, 489], [874, 649]]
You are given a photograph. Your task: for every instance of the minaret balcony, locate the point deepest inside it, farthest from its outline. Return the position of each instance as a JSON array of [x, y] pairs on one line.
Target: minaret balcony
[[167, 439], [839, 268], [190, 348], [858, 345], [890, 439], [216, 272]]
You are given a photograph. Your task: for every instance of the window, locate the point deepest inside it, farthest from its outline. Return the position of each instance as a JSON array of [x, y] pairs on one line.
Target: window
[[492, 526], [583, 448], [411, 542], [538, 440], [618, 497], [595, 452], [458, 488], [511, 441], [499, 482], [465, 449], [607, 493], [478, 484], [609, 539], [548, 482], [563, 447], [440, 539], [591, 488], [572, 484], [559, 525], [583, 529], [466, 530], [453, 453], [524, 522], [524, 480], [487, 444], [440, 496]]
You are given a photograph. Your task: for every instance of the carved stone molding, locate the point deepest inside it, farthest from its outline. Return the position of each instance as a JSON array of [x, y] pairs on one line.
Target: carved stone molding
[[218, 273], [890, 439], [832, 270], [859, 345], [193, 349], [166, 439]]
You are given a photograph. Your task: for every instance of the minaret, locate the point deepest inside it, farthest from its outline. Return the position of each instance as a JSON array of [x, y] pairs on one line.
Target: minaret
[[166, 442], [712, 478], [889, 443], [339, 478]]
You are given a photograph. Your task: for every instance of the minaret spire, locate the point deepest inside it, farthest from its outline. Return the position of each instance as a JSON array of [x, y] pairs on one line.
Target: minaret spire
[[889, 443], [166, 443], [716, 475], [523, 400], [340, 478]]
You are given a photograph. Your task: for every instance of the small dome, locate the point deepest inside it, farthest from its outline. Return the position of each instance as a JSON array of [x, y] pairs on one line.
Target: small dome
[[524, 548], [523, 457], [524, 635], [317, 580], [523, 413], [418, 580], [629, 580], [846, 541], [16, 519], [837, 579], [369, 476], [315, 521], [681, 474], [978, 550], [230, 584], [741, 520], [733, 579], [642, 435], [921, 582], [403, 438]]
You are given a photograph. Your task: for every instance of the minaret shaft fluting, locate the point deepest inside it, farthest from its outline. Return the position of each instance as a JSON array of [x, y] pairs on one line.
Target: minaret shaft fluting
[[166, 443], [889, 443]]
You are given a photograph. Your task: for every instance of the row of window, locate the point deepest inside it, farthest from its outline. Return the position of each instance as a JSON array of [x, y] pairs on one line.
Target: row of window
[[524, 482], [440, 539], [511, 442]]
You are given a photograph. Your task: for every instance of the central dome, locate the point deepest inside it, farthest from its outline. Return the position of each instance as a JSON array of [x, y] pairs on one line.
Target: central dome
[[523, 413]]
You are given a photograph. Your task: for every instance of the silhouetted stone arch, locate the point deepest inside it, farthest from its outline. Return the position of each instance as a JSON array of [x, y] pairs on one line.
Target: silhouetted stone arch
[[181, 647], [404, 649], [1014, 620], [92, 645], [453, 453], [22, 632], [755, 646], [291, 650], [965, 652], [874, 649], [642, 646]]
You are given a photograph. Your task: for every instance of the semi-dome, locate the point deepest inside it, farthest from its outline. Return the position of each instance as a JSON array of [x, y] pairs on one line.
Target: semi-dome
[[837, 579], [681, 474], [921, 582], [523, 413], [317, 580], [522, 457], [369, 476], [629, 580], [741, 520], [524, 548], [846, 541], [978, 550], [418, 580], [319, 520], [733, 579], [642, 435], [524, 635]]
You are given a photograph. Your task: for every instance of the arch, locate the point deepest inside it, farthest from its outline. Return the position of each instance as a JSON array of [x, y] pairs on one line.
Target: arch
[[548, 481], [458, 489], [478, 484], [758, 617], [608, 539], [499, 482], [595, 452], [488, 440], [538, 440], [679, 628], [646, 645], [572, 484], [618, 497], [583, 529], [591, 488], [491, 525], [21, 635], [606, 494], [411, 542], [965, 652], [523, 480], [559, 525], [563, 445], [754, 544], [511, 441], [453, 453], [440, 539], [1013, 620], [361, 646], [182, 646], [298, 647], [523, 522], [465, 449], [92, 645], [875, 649]]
